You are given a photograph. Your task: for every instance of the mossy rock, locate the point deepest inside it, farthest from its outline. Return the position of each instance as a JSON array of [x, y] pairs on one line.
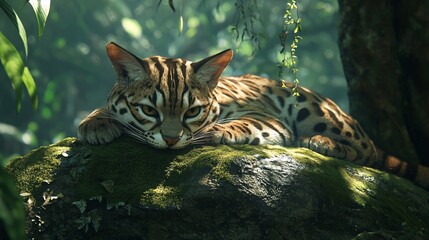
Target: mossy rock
[[125, 190]]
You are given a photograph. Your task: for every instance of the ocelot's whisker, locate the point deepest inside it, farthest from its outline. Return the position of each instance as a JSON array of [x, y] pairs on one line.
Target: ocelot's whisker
[[201, 141], [205, 138], [133, 132]]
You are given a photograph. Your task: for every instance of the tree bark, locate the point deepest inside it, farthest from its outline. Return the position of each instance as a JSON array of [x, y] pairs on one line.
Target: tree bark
[[384, 47]]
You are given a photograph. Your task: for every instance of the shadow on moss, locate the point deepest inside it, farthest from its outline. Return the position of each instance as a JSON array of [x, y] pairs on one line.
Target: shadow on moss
[[212, 192]]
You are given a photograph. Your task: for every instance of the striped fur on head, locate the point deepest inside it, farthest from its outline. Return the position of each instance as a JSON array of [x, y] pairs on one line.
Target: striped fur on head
[[162, 101]]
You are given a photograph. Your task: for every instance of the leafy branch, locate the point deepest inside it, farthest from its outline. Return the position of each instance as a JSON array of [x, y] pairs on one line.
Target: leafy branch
[[244, 27], [291, 20], [10, 58], [244, 30]]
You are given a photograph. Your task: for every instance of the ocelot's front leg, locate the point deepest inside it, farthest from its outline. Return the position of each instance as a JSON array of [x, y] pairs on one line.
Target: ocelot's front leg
[[99, 127], [251, 128]]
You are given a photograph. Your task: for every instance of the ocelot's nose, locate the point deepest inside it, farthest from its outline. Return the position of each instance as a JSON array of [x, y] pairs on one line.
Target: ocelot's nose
[[170, 140], [170, 136]]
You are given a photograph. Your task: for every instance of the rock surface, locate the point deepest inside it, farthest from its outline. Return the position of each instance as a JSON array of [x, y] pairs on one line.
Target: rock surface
[[125, 190]]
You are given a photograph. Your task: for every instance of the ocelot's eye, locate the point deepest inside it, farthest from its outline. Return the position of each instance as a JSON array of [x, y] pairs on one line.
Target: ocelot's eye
[[193, 112], [149, 111]]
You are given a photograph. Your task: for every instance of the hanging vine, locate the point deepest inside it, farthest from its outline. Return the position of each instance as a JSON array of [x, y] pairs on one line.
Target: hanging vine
[[244, 27], [244, 30], [291, 20]]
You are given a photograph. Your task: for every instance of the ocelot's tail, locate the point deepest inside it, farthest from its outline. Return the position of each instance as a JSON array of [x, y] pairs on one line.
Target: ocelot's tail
[[414, 172]]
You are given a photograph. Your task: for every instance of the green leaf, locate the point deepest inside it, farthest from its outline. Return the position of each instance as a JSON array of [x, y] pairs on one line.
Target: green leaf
[[16, 21], [81, 205], [298, 28], [17, 71], [11, 208], [170, 2], [180, 25], [41, 9], [29, 83]]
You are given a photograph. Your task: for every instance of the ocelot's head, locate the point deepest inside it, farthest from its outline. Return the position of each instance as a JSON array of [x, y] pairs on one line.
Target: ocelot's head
[[165, 102]]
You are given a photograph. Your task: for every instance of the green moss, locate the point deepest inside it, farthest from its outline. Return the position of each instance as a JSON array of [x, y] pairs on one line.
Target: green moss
[[133, 169], [36, 167], [214, 160], [195, 163], [143, 174], [162, 196], [138, 173], [129, 172], [330, 173], [333, 178], [217, 159], [373, 191]]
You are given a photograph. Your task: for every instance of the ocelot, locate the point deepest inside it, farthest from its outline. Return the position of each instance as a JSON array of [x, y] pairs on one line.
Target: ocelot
[[173, 103]]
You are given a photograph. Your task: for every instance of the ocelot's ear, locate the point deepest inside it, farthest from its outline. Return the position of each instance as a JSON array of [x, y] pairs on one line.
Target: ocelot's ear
[[126, 64], [209, 69]]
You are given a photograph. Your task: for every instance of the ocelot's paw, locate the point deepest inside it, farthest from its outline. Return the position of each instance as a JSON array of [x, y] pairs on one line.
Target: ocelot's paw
[[216, 136], [323, 145], [99, 127]]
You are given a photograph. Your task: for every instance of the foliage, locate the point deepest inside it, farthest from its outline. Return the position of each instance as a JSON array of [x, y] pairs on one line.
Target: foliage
[[11, 209], [12, 62], [290, 62], [244, 30], [17, 71]]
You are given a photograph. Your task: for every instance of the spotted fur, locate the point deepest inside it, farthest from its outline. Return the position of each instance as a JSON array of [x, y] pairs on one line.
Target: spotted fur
[[173, 103]]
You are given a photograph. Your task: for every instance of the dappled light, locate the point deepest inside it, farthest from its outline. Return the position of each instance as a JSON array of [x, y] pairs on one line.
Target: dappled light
[[73, 74]]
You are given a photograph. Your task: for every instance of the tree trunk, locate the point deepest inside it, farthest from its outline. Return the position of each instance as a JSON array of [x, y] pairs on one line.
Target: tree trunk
[[384, 46]]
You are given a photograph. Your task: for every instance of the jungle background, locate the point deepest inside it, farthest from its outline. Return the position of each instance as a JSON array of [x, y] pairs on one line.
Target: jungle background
[[74, 76], [383, 47]]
